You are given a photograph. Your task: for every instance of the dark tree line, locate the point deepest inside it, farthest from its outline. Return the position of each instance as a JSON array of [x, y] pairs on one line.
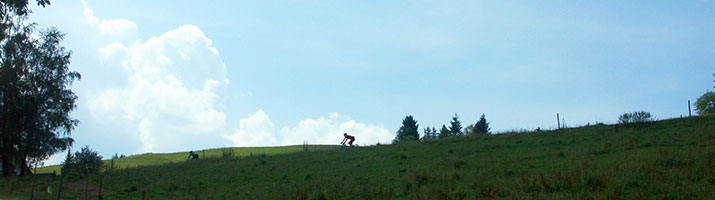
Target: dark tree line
[[35, 99], [409, 129]]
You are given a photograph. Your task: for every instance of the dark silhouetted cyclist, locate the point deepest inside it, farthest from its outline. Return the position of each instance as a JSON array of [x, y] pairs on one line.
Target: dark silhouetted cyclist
[[192, 156], [348, 137]]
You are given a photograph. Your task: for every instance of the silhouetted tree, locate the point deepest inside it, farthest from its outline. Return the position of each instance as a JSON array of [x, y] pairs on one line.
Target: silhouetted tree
[[482, 126], [469, 130], [429, 134], [85, 161], [705, 105], [408, 131], [455, 126], [444, 132], [35, 99]]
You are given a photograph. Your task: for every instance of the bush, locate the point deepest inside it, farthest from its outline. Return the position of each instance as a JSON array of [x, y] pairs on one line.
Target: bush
[[635, 117], [84, 162], [227, 152], [705, 105]]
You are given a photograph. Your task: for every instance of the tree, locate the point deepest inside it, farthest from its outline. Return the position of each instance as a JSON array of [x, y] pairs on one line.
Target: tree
[[705, 105], [426, 133], [429, 134], [469, 130], [455, 126], [444, 132], [35, 99], [408, 131], [84, 162], [482, 126], [435, 134]]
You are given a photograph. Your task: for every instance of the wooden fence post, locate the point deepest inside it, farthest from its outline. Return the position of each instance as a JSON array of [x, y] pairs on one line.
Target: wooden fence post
[[32, 191], [59, 189], [99, 196], [86, 185], [558, 121]]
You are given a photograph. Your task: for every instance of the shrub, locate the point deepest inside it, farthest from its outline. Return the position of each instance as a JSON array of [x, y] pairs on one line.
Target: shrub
[[635, 117], [84, 162]]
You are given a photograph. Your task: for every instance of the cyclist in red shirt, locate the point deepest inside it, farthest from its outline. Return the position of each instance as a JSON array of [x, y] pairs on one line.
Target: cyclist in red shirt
[[348, 137]]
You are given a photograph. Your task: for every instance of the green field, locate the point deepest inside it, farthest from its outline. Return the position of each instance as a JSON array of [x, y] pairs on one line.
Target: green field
[[149, 159], [670, 159]]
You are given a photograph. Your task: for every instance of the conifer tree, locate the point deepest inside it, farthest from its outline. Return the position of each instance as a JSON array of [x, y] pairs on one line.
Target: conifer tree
[[455, 126], [408, 131], [444, 132], [482, 126]]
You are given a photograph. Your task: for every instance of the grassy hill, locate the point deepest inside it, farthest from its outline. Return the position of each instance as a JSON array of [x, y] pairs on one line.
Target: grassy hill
[[149, 159], [670, 159]]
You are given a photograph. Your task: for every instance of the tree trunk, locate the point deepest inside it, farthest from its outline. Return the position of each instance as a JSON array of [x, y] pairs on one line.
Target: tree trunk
[[23, 165], [7, 168]]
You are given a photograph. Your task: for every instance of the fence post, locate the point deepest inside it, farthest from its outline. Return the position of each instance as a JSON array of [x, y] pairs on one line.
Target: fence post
[[558, 121], [689, 113], [59, 189], [99, 196], [86, 185], [32, 191], [143, 194]]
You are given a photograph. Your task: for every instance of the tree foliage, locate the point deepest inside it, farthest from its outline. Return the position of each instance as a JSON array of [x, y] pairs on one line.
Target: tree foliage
[[83, 162], [635, 117], [469, 130], [35, 99], [455, 126], [429, 133], [408, 131], [482, 126], [444, 132], [705, 105]]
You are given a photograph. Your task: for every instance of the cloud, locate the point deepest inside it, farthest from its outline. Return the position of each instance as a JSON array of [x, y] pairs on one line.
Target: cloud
[[171, 97], [258, 130], [109, 26], [255, 130]]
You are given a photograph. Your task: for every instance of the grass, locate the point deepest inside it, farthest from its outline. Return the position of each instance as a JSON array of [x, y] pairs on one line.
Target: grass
[[670, 159], [150, 159]]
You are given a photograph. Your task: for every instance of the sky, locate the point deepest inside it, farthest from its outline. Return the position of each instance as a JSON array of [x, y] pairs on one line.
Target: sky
[[166, 76]]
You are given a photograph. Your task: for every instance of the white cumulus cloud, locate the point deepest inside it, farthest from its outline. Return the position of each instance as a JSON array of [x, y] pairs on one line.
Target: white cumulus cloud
[[113, 27], [172, 96], [258, 130], [255, 130]]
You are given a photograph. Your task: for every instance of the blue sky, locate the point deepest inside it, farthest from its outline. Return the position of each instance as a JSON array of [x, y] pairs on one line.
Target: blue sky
[[165, 76]]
